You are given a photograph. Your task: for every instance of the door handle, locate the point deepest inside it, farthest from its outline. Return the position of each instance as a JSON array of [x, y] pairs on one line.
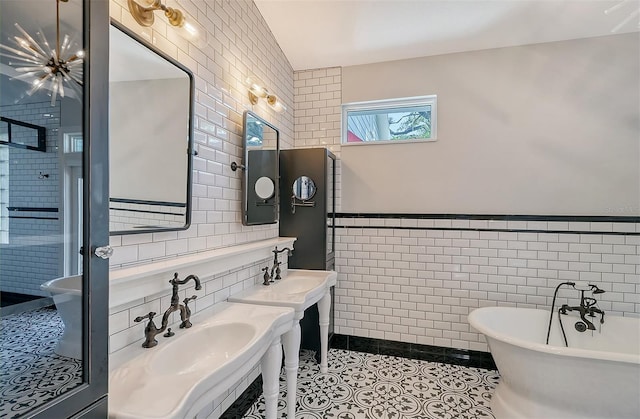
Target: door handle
[[104, 252]]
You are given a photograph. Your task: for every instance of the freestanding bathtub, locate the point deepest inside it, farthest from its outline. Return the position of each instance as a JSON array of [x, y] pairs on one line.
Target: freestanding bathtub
[[597, 376], [67, 296]]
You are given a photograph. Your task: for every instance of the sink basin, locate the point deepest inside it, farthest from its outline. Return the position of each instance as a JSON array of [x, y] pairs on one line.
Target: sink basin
[[184, 373], [210, 347], [299, 290], [297, 285]]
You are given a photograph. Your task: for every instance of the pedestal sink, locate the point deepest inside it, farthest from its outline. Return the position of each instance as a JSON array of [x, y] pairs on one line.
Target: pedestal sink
[[299, 290], [177, 378]]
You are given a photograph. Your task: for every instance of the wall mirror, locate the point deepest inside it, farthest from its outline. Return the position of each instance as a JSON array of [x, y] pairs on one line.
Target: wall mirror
[[304, 188], [260, 178], [150, 141]]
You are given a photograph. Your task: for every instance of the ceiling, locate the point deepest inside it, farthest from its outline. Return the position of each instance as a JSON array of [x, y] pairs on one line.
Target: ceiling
[[327, 33]]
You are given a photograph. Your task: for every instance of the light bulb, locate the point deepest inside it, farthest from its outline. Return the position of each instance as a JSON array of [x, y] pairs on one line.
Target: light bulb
[[256, 87], [193, 32], [275, 103]]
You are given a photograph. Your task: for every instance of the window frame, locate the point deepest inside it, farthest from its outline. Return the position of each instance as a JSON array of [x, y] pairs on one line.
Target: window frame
[[390, 104]]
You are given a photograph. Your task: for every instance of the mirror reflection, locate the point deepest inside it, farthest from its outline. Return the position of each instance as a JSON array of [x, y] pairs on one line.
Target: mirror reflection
[[150, 138], [41, 204], [259, 192], [304, 188]]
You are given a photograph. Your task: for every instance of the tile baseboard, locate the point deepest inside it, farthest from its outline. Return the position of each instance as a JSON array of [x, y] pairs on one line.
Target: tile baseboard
[[463, 357]]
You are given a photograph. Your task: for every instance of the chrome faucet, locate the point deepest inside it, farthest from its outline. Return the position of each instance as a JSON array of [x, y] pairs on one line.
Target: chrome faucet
[[151, 330], [276, 263]]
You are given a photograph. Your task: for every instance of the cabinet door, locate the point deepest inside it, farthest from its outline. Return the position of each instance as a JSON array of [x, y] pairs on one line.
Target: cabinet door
[[54, 212], [303, 205]]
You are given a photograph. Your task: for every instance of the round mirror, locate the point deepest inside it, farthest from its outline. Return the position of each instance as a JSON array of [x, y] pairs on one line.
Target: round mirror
[[304, 188], [264, 187]]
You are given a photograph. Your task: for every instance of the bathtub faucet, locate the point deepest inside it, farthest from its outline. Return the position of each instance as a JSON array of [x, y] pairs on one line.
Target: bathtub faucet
[[586, 308]]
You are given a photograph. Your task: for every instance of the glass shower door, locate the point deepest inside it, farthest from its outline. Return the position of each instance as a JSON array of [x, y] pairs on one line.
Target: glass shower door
[[54, 300]]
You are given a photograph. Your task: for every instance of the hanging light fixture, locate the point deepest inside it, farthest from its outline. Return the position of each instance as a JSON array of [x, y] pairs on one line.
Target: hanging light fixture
[[54, 69]]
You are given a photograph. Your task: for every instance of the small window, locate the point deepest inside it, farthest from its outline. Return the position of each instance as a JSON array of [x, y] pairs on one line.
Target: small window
[[389, 121]]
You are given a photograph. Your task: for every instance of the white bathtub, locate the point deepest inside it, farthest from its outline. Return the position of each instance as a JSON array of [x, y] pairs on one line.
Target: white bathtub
[[597, 376], [67, 296]]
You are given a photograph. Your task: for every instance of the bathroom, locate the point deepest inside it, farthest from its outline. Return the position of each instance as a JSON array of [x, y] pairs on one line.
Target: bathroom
[[514, 195]]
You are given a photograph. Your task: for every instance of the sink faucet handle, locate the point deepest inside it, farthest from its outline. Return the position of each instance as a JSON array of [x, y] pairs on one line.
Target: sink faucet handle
[[148, 316], [186, 321], [266, 278], [150, 330], [278, 271]]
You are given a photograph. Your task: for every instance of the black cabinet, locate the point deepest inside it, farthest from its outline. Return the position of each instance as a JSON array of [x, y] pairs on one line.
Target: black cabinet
[[307, 211]]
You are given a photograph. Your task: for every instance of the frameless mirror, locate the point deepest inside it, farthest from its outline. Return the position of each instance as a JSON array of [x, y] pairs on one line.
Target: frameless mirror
[[304, 188], [259, 193], [150, 144]]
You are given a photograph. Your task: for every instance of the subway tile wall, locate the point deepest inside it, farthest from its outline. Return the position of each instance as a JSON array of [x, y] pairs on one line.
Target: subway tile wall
[[239, 44], [416, 280], [318, 100], [127, 216], [34, 254], [318, 96]]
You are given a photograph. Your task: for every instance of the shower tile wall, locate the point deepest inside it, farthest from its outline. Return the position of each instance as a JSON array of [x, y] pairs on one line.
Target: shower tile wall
[[32, 240], [418, 282]]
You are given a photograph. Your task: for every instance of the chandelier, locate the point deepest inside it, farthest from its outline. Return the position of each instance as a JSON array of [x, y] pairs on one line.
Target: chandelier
[[44, 67]]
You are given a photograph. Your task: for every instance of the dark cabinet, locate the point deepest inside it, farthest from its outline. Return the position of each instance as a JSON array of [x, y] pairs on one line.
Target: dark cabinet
[[307, 211]]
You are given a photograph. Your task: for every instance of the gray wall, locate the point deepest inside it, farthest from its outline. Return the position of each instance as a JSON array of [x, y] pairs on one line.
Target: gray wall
[[538, 129]]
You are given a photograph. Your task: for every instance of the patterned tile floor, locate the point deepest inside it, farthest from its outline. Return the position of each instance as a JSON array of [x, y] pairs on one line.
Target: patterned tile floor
[[30, 372], [365, 386]]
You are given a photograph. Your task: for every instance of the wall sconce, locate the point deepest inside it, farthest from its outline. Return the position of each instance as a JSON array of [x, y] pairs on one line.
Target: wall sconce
[[257, 91], [143, 13]]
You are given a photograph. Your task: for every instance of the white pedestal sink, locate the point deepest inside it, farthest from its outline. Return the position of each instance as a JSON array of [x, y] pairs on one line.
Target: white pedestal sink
[[299, 290], [177, 378]]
